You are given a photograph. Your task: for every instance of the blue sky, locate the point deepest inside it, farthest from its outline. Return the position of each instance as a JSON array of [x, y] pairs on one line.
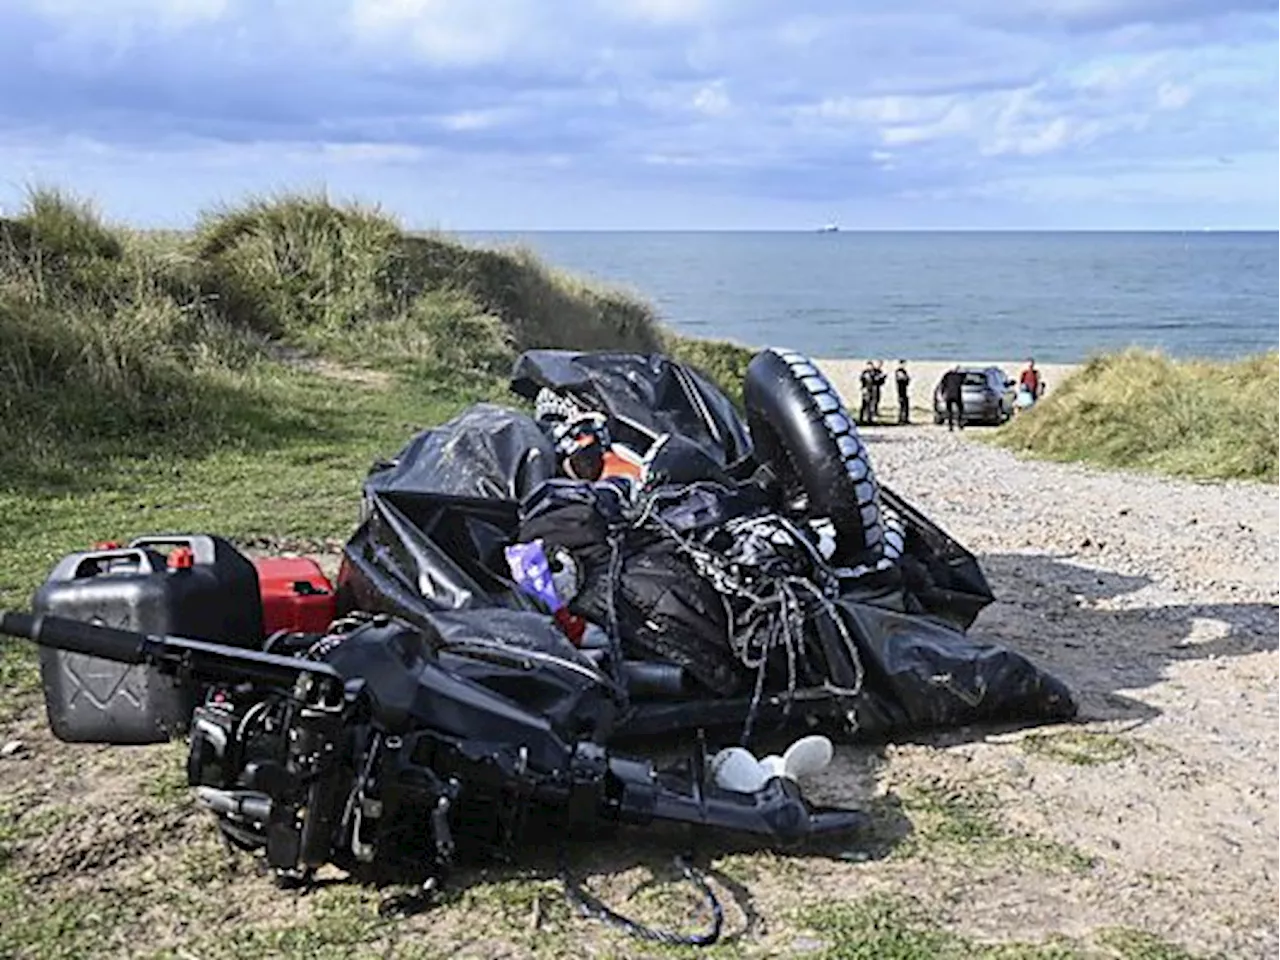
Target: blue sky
[[654, 114]]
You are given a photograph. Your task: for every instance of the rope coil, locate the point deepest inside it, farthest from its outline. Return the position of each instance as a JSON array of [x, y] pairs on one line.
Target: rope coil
[[773, 607]]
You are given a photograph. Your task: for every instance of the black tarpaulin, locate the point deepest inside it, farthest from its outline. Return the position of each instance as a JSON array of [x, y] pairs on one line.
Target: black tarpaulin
[[487, 451], [439, 514], [644, 396], [526, 658], [922, 673]]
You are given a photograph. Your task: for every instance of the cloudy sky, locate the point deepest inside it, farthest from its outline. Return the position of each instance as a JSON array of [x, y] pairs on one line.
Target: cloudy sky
[[654, 114]]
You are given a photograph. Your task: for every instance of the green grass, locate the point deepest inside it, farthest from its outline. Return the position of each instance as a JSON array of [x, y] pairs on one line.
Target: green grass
[[1126, 943], [897, 928], [343, 923], [955, 822], [296, 488], [880, 927], [348, 278], [1141, 410], [1083, 748]]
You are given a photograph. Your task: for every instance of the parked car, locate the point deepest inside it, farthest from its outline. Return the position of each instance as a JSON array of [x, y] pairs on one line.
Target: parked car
[[988, 395]]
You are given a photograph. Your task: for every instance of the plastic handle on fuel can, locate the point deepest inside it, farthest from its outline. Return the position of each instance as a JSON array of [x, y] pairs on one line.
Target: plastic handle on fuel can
[[99, 557], [199, 544]]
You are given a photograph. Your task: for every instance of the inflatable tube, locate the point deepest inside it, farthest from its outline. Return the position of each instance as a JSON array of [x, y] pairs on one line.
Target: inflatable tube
[[895, 534], [800, 427]]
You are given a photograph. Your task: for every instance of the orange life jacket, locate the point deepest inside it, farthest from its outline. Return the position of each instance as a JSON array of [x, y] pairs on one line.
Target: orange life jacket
[[621, 462]]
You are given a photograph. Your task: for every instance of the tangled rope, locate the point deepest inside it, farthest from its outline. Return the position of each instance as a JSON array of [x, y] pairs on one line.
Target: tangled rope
[[613, 631], [773, 608], [589, 905]]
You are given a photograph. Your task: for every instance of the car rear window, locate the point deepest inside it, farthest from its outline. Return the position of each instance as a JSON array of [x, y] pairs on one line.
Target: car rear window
[[975, 379]]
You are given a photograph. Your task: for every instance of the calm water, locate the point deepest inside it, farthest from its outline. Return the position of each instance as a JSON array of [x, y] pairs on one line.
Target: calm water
[[1057, 296]]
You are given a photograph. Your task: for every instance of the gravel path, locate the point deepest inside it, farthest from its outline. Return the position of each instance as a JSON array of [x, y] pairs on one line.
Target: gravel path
[[1156, 600]]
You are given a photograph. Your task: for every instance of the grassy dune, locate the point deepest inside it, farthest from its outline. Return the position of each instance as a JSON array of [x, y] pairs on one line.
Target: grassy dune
[[1139, 409], [115, 343], [108, 335]]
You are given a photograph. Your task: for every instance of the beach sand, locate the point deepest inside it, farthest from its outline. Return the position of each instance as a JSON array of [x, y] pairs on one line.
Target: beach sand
[[925, 375]]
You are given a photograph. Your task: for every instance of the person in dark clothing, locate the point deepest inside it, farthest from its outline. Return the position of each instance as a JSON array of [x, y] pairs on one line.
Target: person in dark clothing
[[877, 384], [868, 381], [953, 396], [903, 381]]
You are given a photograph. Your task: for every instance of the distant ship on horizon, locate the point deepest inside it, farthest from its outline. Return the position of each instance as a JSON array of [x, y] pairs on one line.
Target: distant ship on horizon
[[829, 228]]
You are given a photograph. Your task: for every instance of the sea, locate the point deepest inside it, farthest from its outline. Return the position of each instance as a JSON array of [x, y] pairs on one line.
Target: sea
[[1059, 297]]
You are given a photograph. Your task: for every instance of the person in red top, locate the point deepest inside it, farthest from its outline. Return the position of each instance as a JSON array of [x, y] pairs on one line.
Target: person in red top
[[1030, 379]]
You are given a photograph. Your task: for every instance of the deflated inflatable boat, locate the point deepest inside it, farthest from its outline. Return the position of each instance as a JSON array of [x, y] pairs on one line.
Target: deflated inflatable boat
[[711, 570]]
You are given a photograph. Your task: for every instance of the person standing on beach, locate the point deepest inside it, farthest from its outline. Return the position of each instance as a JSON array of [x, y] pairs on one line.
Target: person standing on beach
[[868, 381], [952, 389], [1031, 382], [877, 383], [903, 380]]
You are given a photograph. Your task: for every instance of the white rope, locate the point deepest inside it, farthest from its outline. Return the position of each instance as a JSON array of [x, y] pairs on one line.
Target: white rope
[[776, 611]]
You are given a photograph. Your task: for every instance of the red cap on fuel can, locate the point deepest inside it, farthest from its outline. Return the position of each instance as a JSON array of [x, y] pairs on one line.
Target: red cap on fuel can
[[182, 559]]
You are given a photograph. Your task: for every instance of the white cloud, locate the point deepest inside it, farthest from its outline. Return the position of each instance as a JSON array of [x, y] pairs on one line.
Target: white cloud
[[668, 160], [790, 101], [712, 100], [372, 152], [661, 12], [1117, 76], [455, 33], [902, 121], [485, 119], [95, 37], [801, 31], [1172, 181], [92, 32], [884, 159], [1078, 105], [172, 12], [908, 134], [1049, 138], [1172, 96], [471, 33], [886, 111]]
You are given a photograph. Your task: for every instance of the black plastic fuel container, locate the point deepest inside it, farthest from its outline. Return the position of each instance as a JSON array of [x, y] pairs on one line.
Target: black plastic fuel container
[[196, 586]]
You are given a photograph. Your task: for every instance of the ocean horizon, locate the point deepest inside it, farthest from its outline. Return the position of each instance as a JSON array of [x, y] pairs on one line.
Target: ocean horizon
[[1058, 295], [821, 230]]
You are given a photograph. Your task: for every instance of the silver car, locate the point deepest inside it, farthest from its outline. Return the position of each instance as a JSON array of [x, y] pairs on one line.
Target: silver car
[[987, 395]]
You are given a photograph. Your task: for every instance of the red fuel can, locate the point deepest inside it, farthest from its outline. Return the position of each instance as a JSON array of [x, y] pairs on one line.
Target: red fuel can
[[296, 595]]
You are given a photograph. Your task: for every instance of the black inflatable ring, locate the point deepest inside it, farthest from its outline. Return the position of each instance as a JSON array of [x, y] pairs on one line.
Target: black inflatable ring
[[800, 427]]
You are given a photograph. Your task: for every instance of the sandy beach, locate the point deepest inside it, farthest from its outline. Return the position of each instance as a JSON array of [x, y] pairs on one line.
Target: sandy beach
[[925, 375], [1155, 600]]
